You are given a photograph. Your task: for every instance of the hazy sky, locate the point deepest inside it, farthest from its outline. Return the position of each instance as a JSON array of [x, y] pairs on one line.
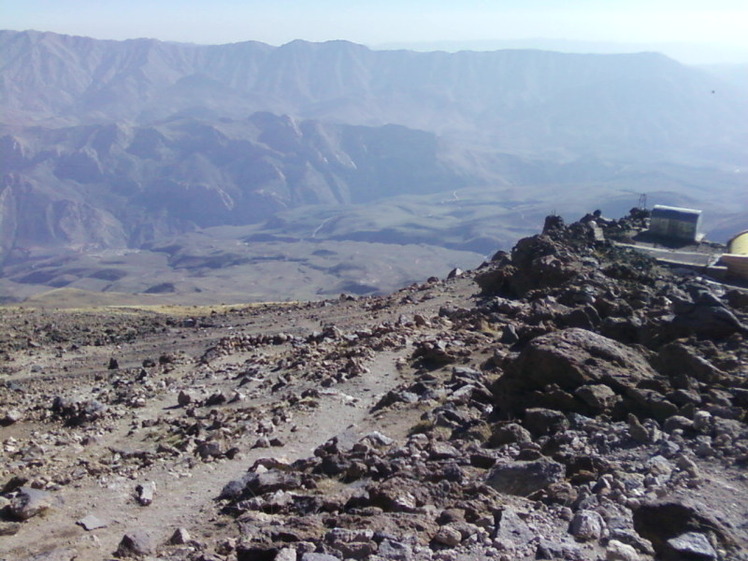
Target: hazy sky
[[387, 21]]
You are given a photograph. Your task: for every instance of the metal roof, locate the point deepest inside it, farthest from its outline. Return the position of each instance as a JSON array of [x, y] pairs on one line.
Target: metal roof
[[676, 213]]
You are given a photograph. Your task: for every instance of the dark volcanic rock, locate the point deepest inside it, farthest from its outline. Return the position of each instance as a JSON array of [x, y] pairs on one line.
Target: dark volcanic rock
[[135, 544], [707, 317], [672, 528], [573, 357], [541, 263], [540, 421], [28, 503], [525, 478], [256, 553], [676, 359], [537, 262], [253, 484], [569, 360]]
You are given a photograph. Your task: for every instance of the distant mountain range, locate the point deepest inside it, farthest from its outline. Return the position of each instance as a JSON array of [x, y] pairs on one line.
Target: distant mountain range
[[692, 53], [117, 144], [629, 105]]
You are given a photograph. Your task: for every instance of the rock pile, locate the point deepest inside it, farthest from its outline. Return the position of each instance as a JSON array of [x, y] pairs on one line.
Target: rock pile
[[611, 390]]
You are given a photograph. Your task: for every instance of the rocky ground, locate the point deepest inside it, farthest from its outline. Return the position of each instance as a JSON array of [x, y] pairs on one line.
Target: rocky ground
[[570, 400]]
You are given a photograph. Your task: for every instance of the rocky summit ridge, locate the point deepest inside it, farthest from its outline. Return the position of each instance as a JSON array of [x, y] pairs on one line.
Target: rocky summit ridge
[[570, 399]]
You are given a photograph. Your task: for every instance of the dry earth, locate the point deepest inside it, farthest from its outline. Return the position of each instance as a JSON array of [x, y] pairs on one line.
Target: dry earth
[[93, 469], [564, 406]]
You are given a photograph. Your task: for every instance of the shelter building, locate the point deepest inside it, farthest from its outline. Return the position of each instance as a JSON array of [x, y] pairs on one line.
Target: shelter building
[[675, 223]]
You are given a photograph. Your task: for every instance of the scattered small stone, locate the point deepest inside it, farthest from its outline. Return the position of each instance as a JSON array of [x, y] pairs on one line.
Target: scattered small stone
[[391, 548], [632, 538], [11, 417], [637, 430], [510, 528], [91, 522], [509, 334], [180, 537], [687, 464], [135, 544], [549, 549], [318, 557], [702, 421], [286, 554], [145, 493], [28, 503], [446, 535], [211, 449], [541, 421]]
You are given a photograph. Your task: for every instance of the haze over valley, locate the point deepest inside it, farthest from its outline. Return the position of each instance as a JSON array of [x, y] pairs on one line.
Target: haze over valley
[[203, 171]]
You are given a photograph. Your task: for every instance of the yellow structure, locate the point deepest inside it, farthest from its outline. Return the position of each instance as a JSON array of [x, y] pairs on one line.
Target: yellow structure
[[739, 244], [736, 258]]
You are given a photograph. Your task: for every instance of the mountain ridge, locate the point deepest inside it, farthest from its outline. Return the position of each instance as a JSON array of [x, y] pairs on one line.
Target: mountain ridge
[[208, 173], [504, 97]]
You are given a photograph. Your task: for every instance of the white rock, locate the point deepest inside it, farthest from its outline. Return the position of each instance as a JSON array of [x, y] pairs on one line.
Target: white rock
[[146, 492], [286, 554], [619, 551], [587, 525]]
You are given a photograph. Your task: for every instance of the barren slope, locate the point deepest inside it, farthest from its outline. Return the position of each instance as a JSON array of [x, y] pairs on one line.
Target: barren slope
[[586, 404]]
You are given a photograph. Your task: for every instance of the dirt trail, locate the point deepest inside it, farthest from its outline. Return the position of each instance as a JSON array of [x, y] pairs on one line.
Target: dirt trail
[[184, 497], [186, 486]]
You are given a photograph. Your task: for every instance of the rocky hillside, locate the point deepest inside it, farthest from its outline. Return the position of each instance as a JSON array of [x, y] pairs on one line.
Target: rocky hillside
[[117, 185], [568, 400]]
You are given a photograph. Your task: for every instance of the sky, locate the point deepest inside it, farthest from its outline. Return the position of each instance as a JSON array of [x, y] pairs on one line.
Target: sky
[[391, 22]]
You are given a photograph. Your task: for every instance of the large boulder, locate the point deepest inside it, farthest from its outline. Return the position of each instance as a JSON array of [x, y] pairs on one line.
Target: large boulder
[[552, 368], [680, 529]]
